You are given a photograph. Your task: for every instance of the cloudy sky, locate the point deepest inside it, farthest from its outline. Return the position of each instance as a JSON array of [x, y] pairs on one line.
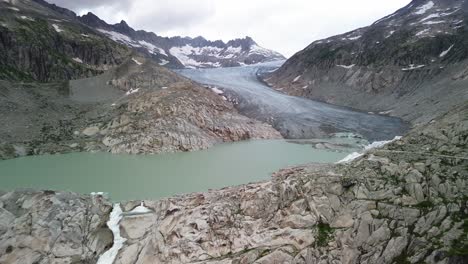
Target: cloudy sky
[[286, 26]]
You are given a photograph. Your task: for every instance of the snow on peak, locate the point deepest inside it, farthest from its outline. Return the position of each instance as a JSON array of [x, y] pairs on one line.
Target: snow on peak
[[121, 38], [152, 48], [186, 53], [424, 8], [445, 52]]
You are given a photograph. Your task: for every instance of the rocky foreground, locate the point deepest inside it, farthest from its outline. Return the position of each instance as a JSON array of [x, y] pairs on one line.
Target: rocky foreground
[[404, 203]]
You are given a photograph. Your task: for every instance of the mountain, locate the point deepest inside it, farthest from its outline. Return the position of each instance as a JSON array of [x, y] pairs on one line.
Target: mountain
[[410, 64], [41, 44], [178, 52], [186, 52], [65, 87]]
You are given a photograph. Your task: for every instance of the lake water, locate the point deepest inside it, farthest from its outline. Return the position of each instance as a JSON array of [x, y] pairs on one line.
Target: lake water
[[127, 177]]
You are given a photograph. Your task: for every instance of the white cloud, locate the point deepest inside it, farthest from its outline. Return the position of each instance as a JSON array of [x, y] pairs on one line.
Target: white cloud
[[285, 26]]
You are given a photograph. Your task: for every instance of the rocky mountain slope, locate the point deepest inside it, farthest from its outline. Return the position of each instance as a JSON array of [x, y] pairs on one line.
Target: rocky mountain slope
[[178, 52], [67, 87], [137, 107], [39, 44], [410, 64], [403, 203]]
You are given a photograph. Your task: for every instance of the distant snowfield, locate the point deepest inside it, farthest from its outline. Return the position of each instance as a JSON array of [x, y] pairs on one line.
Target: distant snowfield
[[196, 57]]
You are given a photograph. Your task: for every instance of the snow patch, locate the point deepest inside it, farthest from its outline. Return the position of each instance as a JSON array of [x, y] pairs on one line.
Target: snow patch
[[374, 145], [431, 16], [445, 52], [121, 38], [297, 78], [27, 18], [255, 49], [152, 48], [57, 28], [132, 91], [109, 256], [422, 32], [136, 61], [97, 193], [413, 67], [385, 112], [183, 55], [434, 22], [163, 62], [13, 8], [305, 87], [78, 60], [141, 209], [390, 33], [424, 8], [346, 66], [217, 91], [355, 38]]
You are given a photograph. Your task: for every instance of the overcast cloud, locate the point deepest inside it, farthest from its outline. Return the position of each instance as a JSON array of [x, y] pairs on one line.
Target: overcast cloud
[[286, 26]]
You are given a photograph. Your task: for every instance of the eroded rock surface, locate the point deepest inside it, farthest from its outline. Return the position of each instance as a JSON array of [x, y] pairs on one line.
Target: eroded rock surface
[[49, 227], [404, 203]]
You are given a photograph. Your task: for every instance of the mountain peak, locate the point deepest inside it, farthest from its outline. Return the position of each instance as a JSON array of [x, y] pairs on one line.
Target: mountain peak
[[92, 20]]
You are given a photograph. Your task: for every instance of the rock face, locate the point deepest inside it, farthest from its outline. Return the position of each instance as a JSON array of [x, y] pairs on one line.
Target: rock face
[[410, 64], [404, 203], [40, 44], [48, 227]]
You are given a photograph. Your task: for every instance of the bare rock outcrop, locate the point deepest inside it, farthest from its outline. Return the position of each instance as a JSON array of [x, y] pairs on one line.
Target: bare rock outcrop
[[52, 227], [404, 203]]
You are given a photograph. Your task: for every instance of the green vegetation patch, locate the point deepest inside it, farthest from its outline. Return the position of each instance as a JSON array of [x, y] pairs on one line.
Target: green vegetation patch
[[324, 234]]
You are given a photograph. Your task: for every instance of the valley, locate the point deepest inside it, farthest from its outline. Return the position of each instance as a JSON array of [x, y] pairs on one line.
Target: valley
[[119, 145]]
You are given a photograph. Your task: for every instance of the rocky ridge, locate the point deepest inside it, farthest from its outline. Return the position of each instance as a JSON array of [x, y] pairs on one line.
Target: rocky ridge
[[402, 65], [403, 203], [184, 52], [40, 44], [177, 52]]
